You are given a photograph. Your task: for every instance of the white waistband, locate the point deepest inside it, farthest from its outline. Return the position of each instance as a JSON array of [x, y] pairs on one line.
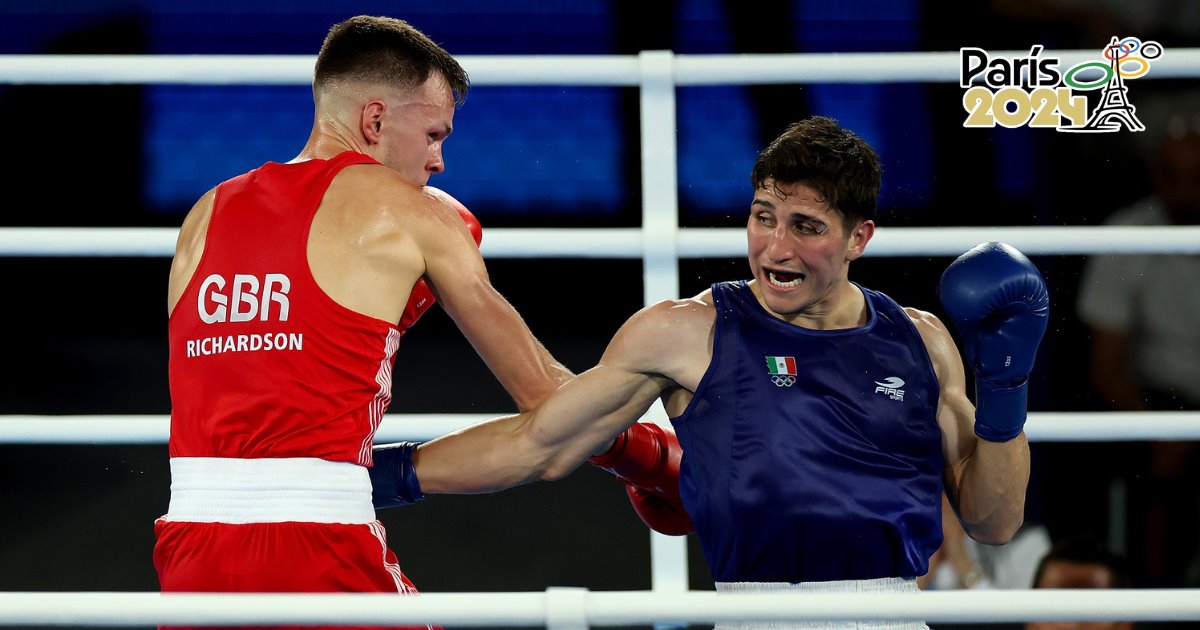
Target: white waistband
[[274, 490], [881, 585]]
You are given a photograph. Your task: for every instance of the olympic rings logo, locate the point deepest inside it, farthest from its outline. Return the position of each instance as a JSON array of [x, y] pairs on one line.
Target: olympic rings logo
[[783, 380], [1123, 54]]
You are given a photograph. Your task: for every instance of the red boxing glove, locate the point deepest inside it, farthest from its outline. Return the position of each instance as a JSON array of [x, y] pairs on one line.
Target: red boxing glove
[[421, 297], [646, 458]]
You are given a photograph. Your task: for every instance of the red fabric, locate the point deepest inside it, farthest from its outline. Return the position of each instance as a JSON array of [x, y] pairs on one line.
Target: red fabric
[[276, 558], [234, 393]]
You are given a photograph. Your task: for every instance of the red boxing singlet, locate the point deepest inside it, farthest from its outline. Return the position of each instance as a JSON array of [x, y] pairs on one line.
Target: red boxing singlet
[[263, 362], [276, 393]]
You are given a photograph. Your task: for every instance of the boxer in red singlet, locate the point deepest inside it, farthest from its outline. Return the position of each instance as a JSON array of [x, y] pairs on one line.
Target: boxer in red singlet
[[285, 293]]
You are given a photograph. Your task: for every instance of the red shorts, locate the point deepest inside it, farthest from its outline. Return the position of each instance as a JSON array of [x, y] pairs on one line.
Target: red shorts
[[285, 557]]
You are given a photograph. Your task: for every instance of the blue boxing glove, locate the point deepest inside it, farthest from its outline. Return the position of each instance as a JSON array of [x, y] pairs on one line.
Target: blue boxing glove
[[393, 476], [999, 304]]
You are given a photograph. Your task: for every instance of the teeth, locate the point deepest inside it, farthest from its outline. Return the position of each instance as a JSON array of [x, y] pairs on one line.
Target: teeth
[[786, 285]]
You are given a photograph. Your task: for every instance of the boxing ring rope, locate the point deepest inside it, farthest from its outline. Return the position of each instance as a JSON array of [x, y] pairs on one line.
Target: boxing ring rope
[[660, 243], [577, 609], [1076, 426], [689, 242], [594, 70]]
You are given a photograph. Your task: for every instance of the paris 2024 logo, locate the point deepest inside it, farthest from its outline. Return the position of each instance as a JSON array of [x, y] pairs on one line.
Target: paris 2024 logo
[[1017, 91]]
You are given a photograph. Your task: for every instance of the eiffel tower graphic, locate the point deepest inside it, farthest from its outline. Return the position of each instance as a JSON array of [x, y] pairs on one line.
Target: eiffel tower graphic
[[1114, 110]]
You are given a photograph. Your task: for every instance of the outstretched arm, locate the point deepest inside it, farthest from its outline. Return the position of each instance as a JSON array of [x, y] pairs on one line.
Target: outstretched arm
[[579, 419]]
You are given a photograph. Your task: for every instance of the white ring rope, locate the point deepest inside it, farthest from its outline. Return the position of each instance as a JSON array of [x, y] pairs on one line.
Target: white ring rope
[[1080, 426], [574, 609], [595, 70], [690, 242]]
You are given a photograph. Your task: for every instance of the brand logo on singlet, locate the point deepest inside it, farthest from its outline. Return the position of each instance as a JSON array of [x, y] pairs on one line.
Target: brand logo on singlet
[[782, 370], [890, 387]]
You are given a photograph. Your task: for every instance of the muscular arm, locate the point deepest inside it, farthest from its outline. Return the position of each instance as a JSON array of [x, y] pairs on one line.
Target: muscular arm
[[457, 275], [375, 235], [985, 481], [577, 420]]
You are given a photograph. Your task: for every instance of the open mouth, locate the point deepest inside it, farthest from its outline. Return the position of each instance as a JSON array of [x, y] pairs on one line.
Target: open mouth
[[784, 280]]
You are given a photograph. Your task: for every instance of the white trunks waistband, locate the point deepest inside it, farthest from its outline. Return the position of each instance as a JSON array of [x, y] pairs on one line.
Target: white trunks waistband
[[271, 490], [881, 585]]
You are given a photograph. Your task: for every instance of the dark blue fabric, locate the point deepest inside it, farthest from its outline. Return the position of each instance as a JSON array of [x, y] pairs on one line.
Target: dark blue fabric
[[833, 477]]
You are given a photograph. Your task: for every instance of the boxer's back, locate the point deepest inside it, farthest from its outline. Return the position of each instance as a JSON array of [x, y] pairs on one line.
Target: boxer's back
[[264, 363]]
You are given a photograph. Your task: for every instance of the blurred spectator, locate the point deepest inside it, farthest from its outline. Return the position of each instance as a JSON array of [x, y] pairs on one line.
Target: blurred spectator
[[1142, 312], [1081, 563]]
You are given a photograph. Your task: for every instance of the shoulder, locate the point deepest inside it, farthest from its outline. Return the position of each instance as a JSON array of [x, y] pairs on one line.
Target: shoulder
[[936, 337], [667, 328], [377, 186], [927, 324], [673, 318], [203, 206], [189, 246], [379, 198], [195, 225], [685, 312]]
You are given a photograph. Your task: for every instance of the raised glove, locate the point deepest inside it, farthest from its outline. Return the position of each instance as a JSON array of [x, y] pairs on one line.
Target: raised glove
[[421, 297], [646, 458], [393, 476], [999, 303]]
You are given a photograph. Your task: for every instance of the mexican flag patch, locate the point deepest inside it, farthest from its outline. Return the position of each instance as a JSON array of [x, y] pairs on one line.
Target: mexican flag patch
[[781, 366]]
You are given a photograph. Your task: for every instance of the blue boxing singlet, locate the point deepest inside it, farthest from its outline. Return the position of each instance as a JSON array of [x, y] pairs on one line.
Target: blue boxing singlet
[[813, 455]]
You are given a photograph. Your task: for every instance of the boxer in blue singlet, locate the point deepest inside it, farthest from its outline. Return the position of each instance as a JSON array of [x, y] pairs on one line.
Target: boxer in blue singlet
[[818, 421]]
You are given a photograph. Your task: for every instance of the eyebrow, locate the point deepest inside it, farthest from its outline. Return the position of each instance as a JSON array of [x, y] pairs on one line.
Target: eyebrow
[[803, 217]]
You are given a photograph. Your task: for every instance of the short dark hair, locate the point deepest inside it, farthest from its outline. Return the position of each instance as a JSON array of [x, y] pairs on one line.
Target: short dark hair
[[386, 51], [1085, 550], [835, 162]]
